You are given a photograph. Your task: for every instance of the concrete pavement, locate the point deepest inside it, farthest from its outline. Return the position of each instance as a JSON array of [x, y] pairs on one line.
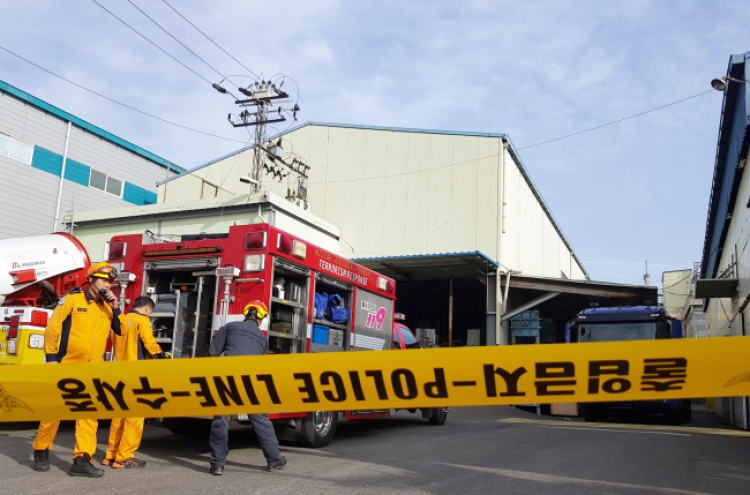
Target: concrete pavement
[[478, 450]]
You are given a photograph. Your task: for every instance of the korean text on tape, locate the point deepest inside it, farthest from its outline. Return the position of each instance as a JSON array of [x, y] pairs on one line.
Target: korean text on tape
[[638, 370]]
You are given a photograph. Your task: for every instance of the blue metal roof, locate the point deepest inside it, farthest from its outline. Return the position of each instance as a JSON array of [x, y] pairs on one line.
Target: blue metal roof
[[51, 109], [732, 147], [422, 256]]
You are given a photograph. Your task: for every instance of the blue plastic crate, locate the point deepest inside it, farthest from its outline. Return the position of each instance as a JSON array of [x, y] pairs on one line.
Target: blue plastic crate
[[320, 334]]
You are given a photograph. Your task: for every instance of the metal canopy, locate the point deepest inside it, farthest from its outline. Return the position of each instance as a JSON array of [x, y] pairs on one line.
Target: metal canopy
[[432, 266], [582, 287], [708, 288]]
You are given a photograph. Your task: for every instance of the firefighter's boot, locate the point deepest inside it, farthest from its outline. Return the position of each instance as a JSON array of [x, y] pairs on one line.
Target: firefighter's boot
[[82, 467], [277, 465], [41, 460]]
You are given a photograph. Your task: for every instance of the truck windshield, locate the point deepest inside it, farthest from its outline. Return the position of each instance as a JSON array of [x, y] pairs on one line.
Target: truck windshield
[[609, 332]]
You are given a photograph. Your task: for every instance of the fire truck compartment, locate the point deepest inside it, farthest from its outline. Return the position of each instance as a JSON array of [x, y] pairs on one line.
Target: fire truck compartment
[[287, 328], [185, 303], [328, 335]]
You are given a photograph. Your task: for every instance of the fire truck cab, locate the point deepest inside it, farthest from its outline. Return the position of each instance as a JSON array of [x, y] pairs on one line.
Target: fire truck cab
[[200, 282]]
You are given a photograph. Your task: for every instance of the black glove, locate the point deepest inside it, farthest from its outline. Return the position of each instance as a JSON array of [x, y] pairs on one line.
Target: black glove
[[163, 355]]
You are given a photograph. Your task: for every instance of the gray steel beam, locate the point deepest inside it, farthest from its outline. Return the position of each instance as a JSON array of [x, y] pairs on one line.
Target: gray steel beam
[[525, 307]]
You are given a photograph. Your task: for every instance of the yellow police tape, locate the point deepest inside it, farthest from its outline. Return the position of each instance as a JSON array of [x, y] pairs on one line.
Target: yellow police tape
[[622, 371]]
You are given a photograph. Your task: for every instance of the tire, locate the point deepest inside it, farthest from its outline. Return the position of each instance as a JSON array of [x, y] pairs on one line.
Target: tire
[[318, 428], [602, 413], [676, 417], [590, 414], [438, 416], [189, 427]]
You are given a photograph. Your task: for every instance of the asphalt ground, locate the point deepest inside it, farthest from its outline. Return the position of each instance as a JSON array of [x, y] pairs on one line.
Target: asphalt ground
[[479, 450]]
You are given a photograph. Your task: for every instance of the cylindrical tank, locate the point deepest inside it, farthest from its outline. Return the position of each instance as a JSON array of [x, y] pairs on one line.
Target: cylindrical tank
[[25, 261]]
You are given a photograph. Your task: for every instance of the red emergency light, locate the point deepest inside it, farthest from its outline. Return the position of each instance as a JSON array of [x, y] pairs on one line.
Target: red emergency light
[[285, 244], [117, 250], [256, 240], [39, 318]]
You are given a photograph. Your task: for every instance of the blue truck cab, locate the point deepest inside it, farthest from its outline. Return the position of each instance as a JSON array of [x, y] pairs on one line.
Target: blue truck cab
[[628, 323]]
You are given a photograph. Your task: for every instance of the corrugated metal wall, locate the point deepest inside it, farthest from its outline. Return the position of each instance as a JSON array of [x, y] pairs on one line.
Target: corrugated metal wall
[[28, 193], [723, 316], [398, 193]]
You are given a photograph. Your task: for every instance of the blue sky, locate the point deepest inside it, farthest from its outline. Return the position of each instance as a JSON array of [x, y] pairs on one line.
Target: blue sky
[[535, 70]]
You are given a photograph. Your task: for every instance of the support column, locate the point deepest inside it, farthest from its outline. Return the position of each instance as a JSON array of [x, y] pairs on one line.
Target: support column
[[62, 179], [491, 310], [500, 337]]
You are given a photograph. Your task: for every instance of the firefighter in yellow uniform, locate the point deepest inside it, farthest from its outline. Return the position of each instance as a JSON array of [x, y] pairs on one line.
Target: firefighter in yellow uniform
[[136, 342], [77, 332]]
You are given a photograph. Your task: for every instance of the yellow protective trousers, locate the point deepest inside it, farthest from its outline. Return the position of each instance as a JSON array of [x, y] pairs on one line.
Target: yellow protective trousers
[[124, 438], [85, 436]]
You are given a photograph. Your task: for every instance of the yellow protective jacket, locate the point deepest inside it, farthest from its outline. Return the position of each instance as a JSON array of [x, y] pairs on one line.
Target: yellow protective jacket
[[78, 329], [136, 340]]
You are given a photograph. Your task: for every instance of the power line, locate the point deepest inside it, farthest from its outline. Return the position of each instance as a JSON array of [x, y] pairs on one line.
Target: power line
[[616, 121], [118, 102], [154, 44], [178, 41], [209, 39]]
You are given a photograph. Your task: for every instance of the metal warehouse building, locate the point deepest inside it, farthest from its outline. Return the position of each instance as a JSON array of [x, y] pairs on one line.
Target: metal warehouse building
[[399, 192], [435, 210], [725, 267], [54, 164]]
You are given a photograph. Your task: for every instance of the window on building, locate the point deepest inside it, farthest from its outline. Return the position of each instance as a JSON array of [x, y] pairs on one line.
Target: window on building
[[13, 148], [114, 186], [105, 183]]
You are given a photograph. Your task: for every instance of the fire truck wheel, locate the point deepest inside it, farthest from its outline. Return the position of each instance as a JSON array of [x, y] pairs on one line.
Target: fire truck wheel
[[676, 417], [438, 416], [190, 427], [688, 410], [590, 414], [318, 428]]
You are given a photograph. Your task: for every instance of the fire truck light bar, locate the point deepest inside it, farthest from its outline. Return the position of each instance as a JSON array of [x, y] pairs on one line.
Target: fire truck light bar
[[182, 251]]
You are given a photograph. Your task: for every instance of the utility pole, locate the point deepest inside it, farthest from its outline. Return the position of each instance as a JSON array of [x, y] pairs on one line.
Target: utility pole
[[646, 277], [264, 98]]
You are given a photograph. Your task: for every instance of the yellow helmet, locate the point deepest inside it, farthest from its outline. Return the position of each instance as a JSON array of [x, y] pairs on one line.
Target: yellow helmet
[[256, 308], [102, 270]]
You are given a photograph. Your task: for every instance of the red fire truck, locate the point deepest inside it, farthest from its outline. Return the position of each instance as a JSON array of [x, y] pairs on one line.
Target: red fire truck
[[200, 282]]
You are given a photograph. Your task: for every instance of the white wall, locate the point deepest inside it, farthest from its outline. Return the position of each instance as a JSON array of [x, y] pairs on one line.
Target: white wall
[[28, 194]]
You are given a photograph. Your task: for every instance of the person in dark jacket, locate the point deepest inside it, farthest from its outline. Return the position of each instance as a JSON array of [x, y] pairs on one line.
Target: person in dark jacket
[[243, 338]]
